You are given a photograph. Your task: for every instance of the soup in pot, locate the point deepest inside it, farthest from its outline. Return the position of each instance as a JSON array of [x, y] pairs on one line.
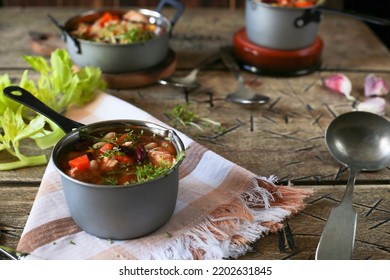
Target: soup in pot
[[114, 28], [291, 3], [124, 156]]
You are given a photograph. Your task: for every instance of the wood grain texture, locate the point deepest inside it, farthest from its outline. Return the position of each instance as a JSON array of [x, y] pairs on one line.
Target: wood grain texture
[[305, 229], [283, 138], [15, 205]]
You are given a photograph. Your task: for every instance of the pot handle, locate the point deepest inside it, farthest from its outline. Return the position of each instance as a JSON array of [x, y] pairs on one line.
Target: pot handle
[[176, 4], [26, 98], [66, 34], [363, 17], [309, 15]]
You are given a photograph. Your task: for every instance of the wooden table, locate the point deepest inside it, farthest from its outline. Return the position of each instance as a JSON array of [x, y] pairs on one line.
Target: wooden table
[[283, 138]]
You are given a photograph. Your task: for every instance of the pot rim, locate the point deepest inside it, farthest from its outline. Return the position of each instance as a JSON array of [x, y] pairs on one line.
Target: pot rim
[[270, 6], [167, 25], [179, 145]]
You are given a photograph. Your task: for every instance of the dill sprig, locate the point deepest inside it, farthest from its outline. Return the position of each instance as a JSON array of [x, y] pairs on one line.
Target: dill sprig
[[184, 116], [148, 172]]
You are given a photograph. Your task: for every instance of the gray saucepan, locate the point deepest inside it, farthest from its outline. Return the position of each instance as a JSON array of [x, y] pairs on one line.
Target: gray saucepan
[[288, 28], [107, 211], [121, 58]]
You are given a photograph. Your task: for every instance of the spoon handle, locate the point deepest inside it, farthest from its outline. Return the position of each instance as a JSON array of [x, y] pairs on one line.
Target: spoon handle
[[208, 60], [228, 60], [14, 255], [338, 238]]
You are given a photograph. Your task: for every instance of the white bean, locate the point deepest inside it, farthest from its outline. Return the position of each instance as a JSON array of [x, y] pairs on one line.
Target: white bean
[[127, 144], [94, 165], [110, 135], [150, 146], [98, 145]]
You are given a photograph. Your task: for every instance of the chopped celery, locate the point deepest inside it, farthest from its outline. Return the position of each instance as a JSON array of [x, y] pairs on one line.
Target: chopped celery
[[59, 86]]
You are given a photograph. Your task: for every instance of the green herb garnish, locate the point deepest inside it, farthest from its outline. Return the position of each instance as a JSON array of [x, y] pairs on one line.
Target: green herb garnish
[[110, 181], [112, 153], [149, 171], [182, 115]]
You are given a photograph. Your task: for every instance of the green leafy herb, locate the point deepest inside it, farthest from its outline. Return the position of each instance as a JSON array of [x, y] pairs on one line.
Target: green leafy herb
[[111, 153], [58, 86], [149, 171], [15, 130], [184, 116], [85, 135], [110, 181]]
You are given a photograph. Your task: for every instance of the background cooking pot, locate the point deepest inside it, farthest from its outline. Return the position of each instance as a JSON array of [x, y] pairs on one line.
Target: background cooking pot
[[121, 58], [281, 28], [107, 211], [287, 28]]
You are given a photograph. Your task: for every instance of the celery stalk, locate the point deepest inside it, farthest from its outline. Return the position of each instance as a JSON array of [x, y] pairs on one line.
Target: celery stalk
[[58, 86]]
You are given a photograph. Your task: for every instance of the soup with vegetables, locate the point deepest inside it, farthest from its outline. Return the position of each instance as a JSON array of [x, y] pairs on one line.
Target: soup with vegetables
[[123, 156], [113, 28], [291, 3]]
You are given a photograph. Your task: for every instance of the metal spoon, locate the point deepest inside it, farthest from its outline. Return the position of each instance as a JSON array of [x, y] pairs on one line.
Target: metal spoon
[[5, 251], [242, 95], [11, 254], [190, 81], [360, 141]]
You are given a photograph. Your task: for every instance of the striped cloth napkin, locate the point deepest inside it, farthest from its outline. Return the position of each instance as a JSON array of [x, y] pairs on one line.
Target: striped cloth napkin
[[221, 209]]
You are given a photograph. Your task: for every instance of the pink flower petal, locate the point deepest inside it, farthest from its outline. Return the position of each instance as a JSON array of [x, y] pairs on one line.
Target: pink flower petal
[[376, 105], [340, 83], [374, 86]]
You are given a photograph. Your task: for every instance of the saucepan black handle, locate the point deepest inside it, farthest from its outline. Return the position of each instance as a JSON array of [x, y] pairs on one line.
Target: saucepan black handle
[[66, 34], [24, 97], [359, 16], [177, 5]]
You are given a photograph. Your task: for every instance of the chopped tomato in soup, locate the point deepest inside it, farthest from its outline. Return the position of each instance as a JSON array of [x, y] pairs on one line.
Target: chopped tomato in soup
[[291, 3], [112, 28], [121, 157]]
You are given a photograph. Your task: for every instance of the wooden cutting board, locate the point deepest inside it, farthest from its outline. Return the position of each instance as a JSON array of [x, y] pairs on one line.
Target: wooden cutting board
[[44, 44]]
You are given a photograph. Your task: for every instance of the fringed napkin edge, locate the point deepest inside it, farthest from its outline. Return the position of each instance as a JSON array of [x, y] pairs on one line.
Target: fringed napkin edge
[[230, 229]]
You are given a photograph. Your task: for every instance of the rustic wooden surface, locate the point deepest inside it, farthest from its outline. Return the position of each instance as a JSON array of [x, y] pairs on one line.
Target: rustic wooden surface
[[283, 138]]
